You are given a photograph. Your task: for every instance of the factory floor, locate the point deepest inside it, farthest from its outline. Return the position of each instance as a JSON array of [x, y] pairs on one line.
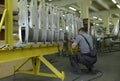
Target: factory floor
[[108, 64]]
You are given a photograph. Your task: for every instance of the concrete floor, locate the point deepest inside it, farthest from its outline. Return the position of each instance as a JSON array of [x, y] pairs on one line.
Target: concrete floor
[[108, 63]]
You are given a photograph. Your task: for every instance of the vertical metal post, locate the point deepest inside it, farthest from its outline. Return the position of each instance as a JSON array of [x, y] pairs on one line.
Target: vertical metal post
[[9, 23], [36, 65]]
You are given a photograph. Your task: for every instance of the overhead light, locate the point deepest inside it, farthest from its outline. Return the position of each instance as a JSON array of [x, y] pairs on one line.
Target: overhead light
[[14, 34], [118, 5], [94, 17], [114, 1], [61, 29], [97, 24], [100, 19], [67, 28], [49, 0], [28, 6], [110, 23], [63, 15], [72, 8], [79, 11]]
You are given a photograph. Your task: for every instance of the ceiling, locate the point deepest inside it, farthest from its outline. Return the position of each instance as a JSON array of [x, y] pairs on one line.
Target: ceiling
[[97, 8], [100, 6]]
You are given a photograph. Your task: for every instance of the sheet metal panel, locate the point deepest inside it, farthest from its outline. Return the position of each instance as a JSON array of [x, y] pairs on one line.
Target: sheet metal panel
[[23, 21], [33, 23]]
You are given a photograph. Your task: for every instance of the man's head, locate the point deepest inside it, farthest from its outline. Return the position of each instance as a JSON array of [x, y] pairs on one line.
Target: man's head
[[81, 30]]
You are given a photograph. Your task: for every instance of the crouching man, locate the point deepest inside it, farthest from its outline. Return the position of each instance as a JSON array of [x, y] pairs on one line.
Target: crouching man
[[84, 57]]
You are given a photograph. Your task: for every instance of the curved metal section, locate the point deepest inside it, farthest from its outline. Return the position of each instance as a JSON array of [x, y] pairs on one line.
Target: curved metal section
[[42, 22], [69, 25], [51, 26], [76, 26], [56, 24], [73, 23], [34, 28], [62, 26], [31, 35], [23, 20], [49, 22]]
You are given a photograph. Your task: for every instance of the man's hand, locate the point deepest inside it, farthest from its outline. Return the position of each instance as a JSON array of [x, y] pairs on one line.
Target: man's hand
[[72, 40], [74, 44]]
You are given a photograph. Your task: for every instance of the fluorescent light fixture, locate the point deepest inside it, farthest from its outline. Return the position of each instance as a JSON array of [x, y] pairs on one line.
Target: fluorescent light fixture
[[97, 24], [110, 23], [100, 19], [94, 17], [63, 15], [114, 1], [28, 6], [72, 8], [67, 28], [79, 11], [118, 5], [49, 0], [14, 34], [61, 29]]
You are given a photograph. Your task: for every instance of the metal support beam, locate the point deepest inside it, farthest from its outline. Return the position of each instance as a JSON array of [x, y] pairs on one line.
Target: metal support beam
[[36, 65], [103, 4], [9, 24], [93, 8], [113, 11], [84, 7], [105, 19], [40, 74], [23, 53], [52, 68], [64, 2], [17, 68]]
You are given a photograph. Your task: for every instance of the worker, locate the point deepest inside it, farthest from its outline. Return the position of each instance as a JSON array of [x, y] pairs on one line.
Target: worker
[[84, 56]]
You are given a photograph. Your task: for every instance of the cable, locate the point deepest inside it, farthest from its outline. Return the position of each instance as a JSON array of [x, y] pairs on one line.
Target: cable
[[93, 78], [76, 78], [96, 77]]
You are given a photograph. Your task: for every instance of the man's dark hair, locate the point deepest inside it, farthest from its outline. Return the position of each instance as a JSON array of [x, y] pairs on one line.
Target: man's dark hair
[[82, 29]]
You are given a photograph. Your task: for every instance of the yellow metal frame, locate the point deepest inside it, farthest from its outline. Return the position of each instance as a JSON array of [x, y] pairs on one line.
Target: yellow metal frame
[[34, 53], [9, 24], [36, 68]]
